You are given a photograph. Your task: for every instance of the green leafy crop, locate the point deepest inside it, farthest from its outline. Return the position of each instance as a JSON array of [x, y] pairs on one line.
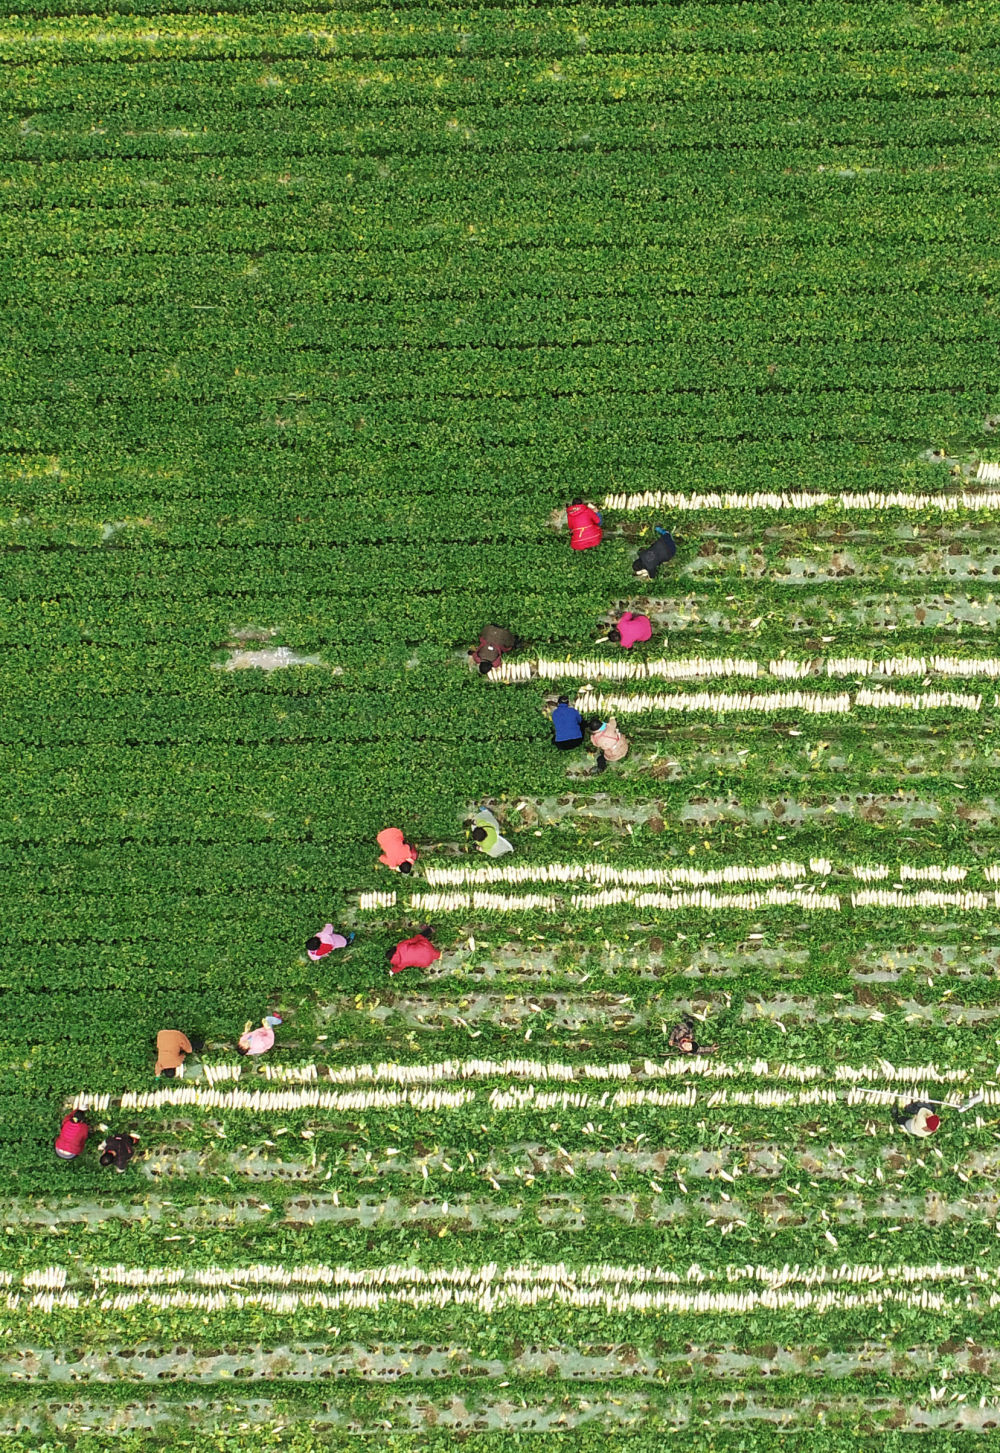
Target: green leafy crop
[[314, 322]]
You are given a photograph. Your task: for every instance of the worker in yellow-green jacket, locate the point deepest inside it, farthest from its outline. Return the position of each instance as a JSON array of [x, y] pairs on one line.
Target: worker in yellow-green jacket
[[487, 836]]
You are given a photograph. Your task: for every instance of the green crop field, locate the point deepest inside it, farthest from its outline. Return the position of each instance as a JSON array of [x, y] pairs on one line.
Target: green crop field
[[315, 320]]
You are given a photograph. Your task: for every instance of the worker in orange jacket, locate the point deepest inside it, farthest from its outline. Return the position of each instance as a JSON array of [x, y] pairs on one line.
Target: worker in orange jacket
[[396, 853]]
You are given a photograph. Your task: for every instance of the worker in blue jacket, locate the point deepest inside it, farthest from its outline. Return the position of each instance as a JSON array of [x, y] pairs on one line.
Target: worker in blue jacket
[[568, 725]]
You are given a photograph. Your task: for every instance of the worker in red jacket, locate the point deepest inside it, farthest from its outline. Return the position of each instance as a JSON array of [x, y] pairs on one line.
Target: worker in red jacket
[[584, 525], [72, 1135], [413, 953]]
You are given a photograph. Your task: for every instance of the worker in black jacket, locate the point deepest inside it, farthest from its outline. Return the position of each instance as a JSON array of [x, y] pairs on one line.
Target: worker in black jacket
[[655, 555]]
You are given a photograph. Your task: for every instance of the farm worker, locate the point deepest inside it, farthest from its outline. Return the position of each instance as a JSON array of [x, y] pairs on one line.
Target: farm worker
[[258, 1041], [172, 1048], [413, 953], [630, 629], [72, 1135], [584, 525], [611, 745], [494, 644], [682, 1038], [326, 941], [396, 851], [119, 1150], [567, 725], [655, 555], [917, 1118], [487, 837]]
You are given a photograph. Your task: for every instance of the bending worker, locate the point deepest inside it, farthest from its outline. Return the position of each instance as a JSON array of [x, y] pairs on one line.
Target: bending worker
[[487, 836], [494, 644], [659, 553], [172, 1048]]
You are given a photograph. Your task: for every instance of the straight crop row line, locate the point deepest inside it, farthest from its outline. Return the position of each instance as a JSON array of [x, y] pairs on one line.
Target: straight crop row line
[[455, 1070], [611, 1208], [803, 898], [474, 33], [603, 268], [579, 76], [242, 180], [686, 668], [499, 1101], [487, 1300]]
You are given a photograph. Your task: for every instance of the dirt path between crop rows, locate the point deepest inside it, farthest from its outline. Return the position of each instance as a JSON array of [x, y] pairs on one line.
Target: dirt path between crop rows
[[467, 1413], [150, 1362]]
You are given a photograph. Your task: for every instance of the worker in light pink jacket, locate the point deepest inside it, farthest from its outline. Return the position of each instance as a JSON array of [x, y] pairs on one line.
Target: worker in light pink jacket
[[258, 1041], [326, 941], [612, 745], [629, 629]]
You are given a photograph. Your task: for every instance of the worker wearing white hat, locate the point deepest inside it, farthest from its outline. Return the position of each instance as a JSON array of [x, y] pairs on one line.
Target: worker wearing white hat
[[917, 1118]]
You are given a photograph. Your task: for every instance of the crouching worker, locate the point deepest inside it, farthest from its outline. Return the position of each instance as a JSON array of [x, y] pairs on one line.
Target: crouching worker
[[72, 1135], [172, 1048], [258, 1041], [413, 953], [494, 644], [629, 629], [326, 941], [396, 853], [659, 553], [119, 1150], [584, 526], [612, 745], [487, 836], [682, 1039], [568, 725], [917, 1118]]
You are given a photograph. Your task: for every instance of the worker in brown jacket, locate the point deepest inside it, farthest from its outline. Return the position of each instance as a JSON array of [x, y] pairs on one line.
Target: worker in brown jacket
[[681, 1038], [495, 642], [172, 1048]]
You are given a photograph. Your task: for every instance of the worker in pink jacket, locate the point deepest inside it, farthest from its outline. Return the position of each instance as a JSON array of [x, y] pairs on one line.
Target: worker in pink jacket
[[397, 853], [584, 525], [612, 745], [629, 629], [413, 953]]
